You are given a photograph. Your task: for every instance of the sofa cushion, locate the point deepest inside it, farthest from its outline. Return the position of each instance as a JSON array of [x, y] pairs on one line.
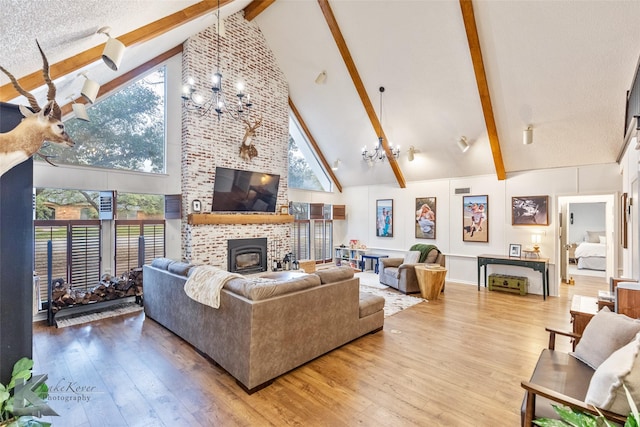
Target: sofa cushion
[[370, 304], [605, 333], [260, 288], [623, 366], [335, 274], [411, 257], [161, 263], [180, 268]]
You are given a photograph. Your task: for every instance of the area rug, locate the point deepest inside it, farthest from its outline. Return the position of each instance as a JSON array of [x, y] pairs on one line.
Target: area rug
[[394, 301], [113, 311]]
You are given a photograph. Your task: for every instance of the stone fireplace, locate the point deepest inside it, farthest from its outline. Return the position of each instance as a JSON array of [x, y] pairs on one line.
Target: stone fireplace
[[247, 256], [208, 143]]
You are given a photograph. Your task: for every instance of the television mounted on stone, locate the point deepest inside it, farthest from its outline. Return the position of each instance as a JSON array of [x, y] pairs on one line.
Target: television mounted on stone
[[237, 190]]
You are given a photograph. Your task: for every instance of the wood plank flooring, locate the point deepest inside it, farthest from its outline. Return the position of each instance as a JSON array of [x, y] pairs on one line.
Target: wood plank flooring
[[457, 361]]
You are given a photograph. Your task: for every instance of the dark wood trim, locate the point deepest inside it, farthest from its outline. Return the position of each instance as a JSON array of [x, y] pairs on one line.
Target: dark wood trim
[[483, 86], [255, 8], [357, 82], [315, 146], [140, 35]]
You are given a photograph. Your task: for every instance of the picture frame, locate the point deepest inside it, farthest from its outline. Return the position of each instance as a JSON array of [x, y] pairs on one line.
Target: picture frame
[[515, 250], [196, 206], [530, 210], [284, 209], [475, 219], [425, 218], [384, 218]]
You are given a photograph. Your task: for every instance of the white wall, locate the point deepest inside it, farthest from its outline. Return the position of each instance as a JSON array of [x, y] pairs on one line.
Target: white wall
[[586, 217], [630, 167], [461, 256]]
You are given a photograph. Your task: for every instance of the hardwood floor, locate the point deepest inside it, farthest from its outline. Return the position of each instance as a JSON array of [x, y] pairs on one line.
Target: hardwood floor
[[457, 361]]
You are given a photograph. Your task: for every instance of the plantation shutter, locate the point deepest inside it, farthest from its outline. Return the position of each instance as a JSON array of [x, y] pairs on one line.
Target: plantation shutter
[[84, 253], [128, 234]]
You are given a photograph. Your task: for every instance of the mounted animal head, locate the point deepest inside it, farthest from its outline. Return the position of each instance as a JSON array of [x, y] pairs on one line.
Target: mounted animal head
[[39, 125], [27, 138], [247, 150]]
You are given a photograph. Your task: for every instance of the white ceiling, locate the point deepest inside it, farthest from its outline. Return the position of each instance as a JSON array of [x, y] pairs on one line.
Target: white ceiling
[[563, 66]]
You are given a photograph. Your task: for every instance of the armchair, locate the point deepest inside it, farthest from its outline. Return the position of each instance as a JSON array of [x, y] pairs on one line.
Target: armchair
[[606, 356], [400, 273]]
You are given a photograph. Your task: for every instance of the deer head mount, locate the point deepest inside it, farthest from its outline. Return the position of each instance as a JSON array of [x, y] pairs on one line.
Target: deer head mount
[[39, 125], [247, 150]]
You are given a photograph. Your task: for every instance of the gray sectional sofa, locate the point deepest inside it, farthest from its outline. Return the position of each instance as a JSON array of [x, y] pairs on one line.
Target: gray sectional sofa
[[263, 327]]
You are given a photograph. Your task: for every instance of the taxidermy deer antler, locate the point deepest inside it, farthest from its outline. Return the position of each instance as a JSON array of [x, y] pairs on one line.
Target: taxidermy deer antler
[[247, 150], [43, 124]]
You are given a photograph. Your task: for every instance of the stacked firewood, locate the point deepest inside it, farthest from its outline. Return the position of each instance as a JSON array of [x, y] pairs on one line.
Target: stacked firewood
[[109, 288]]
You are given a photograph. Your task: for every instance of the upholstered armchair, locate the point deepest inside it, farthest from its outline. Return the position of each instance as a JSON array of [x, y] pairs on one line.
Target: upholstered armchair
[[400, 273]]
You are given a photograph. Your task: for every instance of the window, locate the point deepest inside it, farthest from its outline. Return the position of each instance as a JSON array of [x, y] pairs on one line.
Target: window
[[301, 230], [75, 252], [305, 171], [318, 217], [129, 235], [126, 131]]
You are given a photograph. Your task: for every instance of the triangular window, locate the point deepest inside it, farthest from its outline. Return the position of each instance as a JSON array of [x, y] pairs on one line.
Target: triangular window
[[305, 171]]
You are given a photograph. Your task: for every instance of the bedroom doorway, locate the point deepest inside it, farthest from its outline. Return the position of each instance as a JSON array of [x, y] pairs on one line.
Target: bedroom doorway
[[587, 236]]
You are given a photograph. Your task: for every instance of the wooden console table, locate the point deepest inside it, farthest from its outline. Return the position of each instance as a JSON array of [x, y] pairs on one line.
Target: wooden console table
[[537, 264]]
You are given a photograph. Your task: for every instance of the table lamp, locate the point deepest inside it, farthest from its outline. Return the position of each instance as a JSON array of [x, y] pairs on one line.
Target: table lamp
[[535, 239]]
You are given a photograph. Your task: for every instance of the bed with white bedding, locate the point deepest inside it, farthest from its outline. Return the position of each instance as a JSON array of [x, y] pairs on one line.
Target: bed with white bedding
[[592, 256]]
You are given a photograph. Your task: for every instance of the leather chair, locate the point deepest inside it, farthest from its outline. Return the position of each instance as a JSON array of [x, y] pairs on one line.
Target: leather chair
[[400, 273]]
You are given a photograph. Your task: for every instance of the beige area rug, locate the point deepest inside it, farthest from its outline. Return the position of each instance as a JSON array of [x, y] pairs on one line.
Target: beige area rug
[[394, 301], [113, 311]]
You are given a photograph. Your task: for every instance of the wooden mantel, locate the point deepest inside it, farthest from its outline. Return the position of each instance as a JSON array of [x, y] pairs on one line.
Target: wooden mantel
[[211, 218]]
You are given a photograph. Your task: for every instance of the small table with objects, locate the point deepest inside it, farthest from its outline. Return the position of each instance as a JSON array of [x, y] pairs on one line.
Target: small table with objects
[[371, 257]]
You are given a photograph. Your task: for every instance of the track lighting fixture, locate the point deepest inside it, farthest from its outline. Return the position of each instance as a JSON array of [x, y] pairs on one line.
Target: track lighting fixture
[[90, 88], [527, 135], [463, 144], [113, 51]]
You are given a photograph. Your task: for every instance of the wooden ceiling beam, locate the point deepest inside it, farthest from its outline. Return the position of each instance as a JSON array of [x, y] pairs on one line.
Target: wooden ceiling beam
[[255, 8], [315, 146], [142, 34], [483, 86], [357, 81]]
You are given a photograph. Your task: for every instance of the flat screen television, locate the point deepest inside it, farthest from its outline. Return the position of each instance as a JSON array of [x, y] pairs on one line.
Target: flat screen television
[[244, 191]]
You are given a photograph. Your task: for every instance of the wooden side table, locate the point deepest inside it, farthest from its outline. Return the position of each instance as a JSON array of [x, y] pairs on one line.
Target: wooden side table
[[430, 280], [582, 310]]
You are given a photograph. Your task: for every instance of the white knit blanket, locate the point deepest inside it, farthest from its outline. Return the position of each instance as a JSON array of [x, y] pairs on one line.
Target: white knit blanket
[[205, 283]]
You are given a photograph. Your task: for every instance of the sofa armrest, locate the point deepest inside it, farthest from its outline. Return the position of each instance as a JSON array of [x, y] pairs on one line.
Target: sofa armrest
[[390, 262], [554, 332], [534, 390]]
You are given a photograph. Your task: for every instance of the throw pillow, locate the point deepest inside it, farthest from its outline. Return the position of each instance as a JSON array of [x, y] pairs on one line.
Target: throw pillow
[[411, 257], [594, 236], [605, 333], [603, 240], [623, 366]]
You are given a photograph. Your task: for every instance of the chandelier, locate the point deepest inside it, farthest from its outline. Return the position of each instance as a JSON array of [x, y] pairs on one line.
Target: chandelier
[[378, 154], [216, 102]]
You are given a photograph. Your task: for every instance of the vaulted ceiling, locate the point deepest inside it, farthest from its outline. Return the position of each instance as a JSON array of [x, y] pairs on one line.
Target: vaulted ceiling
[[562, 66]]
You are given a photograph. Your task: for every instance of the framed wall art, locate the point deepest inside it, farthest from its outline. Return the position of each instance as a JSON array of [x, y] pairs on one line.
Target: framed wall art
[[475, 218], [515, 250], [425, 223], [530, 210], [384, 218]]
